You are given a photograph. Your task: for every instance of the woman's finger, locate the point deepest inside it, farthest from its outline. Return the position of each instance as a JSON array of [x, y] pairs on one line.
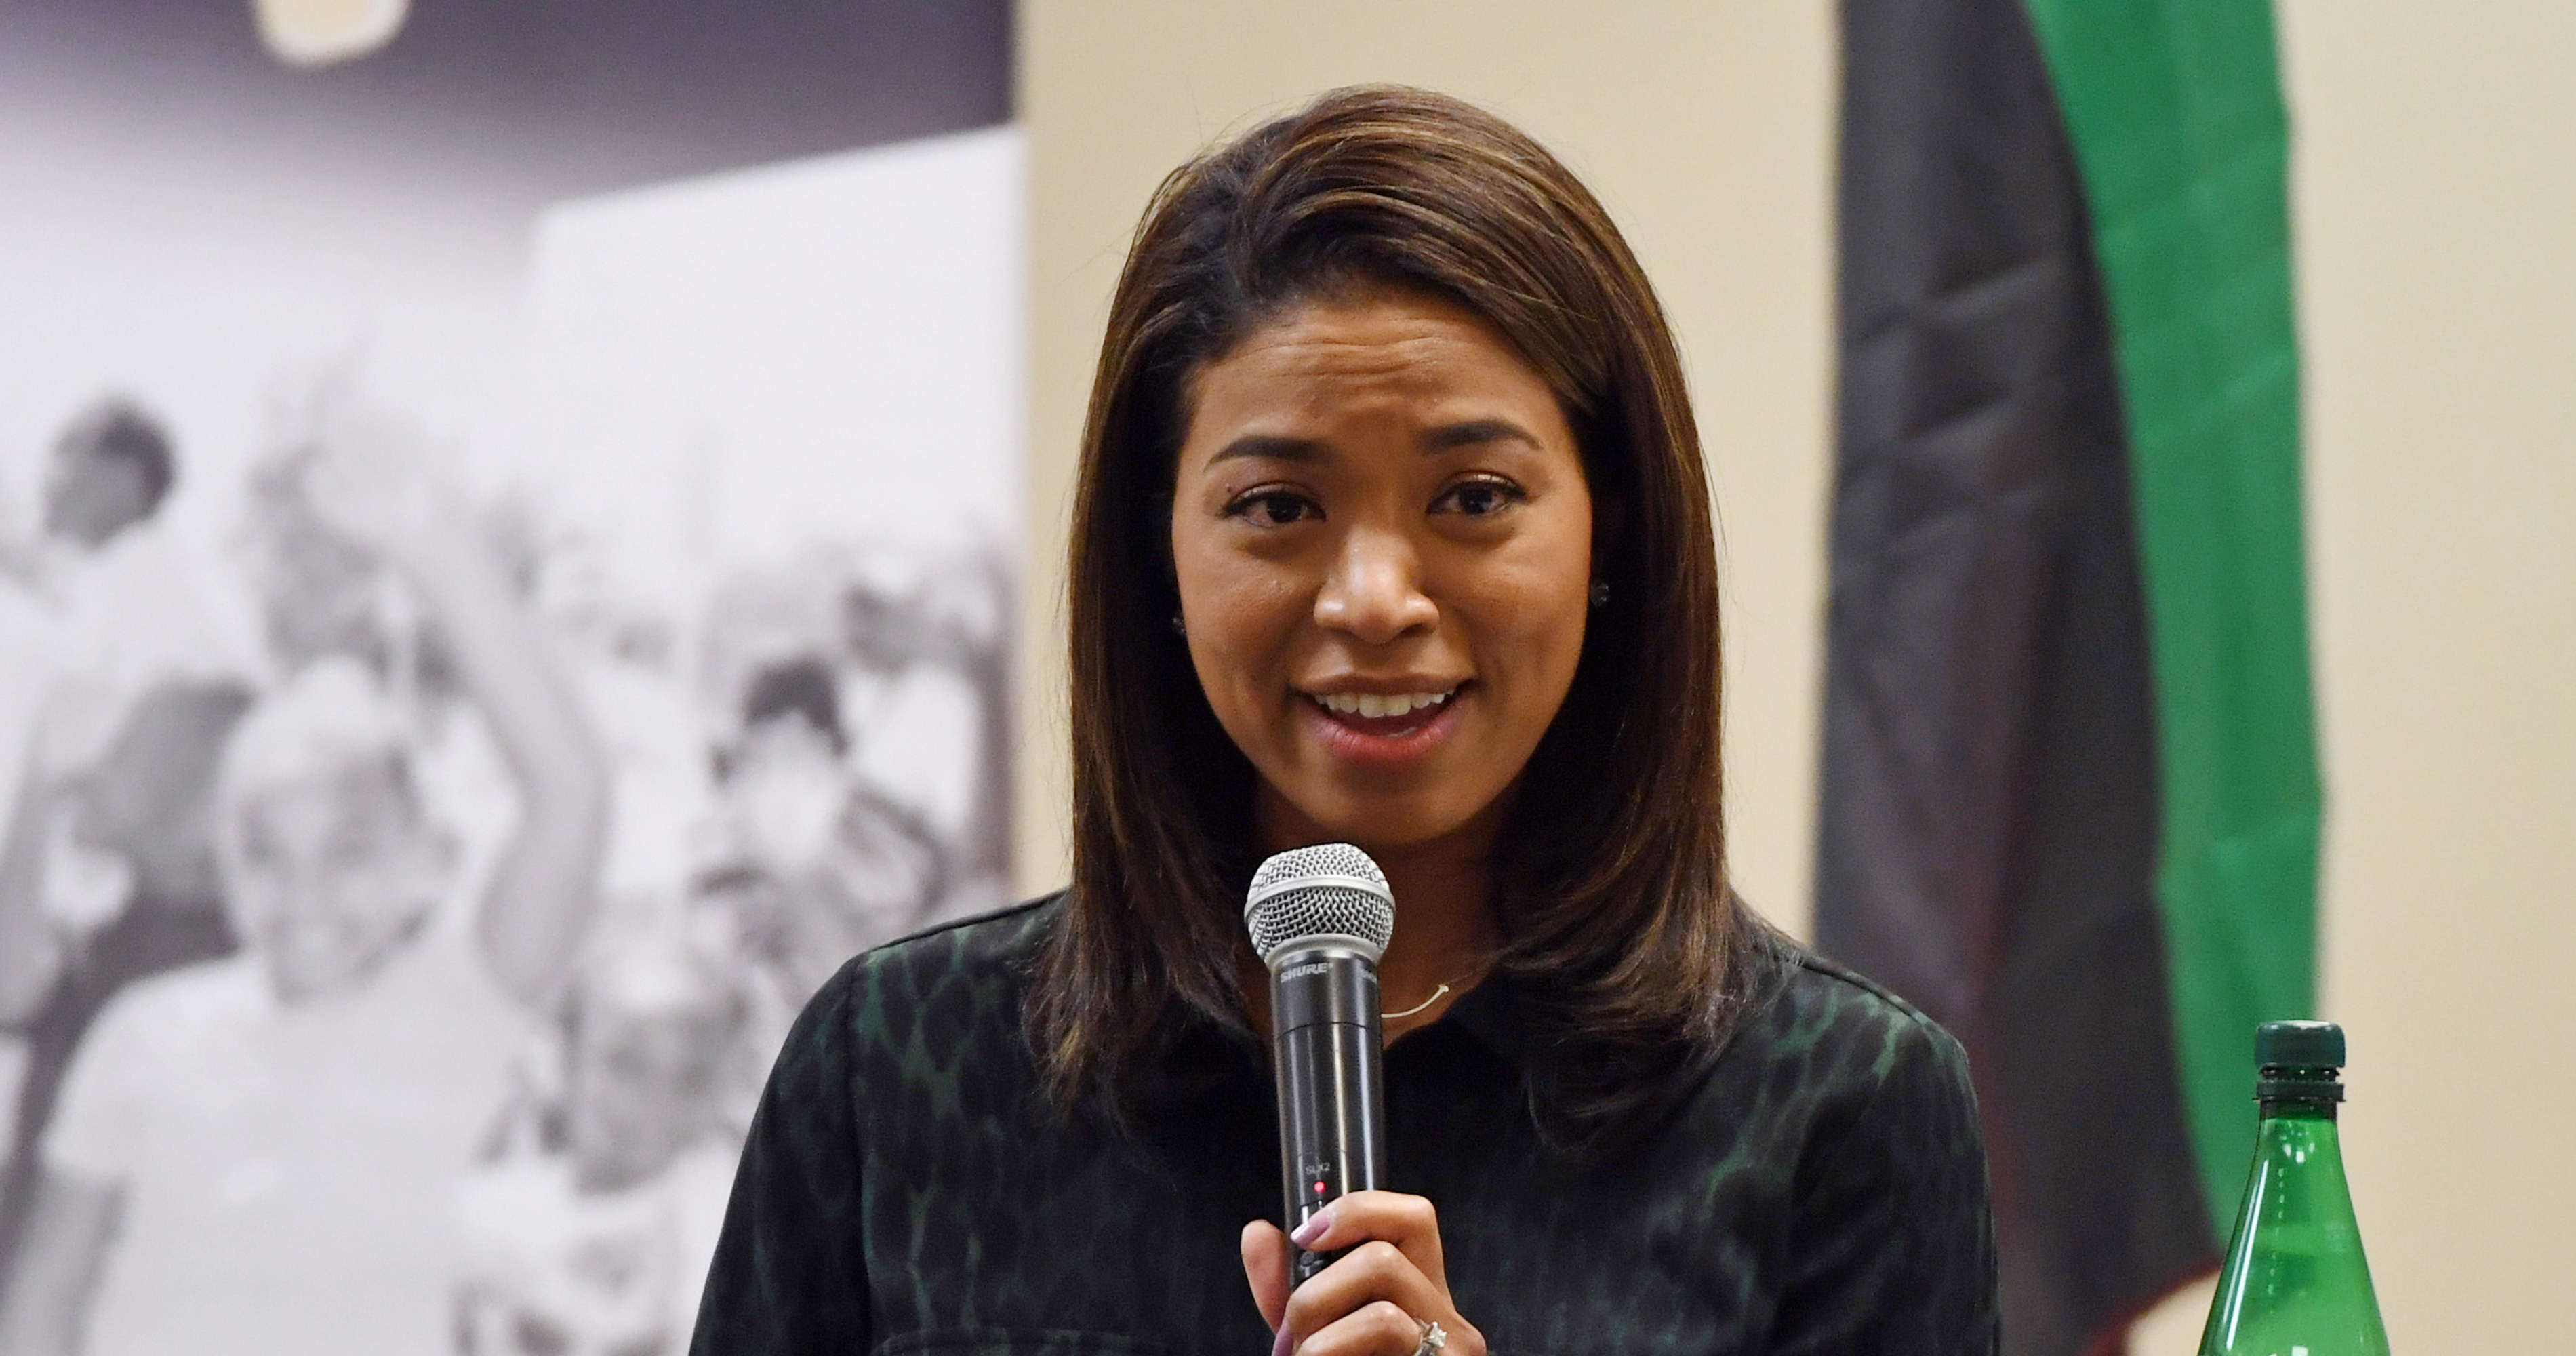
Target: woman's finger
[[1408, 1222], [1376, 1329], [1377, 1297], [1265, 1265], [1375, 1273]]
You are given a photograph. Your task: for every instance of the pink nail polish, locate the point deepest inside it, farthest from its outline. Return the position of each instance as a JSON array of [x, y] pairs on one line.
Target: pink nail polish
[[1279, 1346], [1312, 1229]]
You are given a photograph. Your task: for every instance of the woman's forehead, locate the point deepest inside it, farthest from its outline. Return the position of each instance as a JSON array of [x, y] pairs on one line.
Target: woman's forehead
[[1365, 332], [1403, 358]]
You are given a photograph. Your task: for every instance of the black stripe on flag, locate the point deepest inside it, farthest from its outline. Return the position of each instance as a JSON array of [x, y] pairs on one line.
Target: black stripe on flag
[[1988, 827]]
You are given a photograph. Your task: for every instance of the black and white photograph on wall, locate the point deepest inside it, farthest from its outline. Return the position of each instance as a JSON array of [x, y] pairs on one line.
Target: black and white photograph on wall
[[509, 521]]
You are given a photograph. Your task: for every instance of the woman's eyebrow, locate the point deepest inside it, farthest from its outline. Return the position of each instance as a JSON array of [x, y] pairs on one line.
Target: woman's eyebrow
[[1476, 433], [1446, 438], [1268, 445]]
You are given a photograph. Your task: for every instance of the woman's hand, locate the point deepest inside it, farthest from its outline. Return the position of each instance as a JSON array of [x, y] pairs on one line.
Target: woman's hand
[[1370, 1303]]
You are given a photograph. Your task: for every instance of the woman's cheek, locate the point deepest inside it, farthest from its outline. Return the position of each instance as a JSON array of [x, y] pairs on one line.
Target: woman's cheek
[[1246, 701], [1241, 637], [1531, 644]]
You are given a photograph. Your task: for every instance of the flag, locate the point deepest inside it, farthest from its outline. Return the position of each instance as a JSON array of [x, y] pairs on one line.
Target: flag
[[2069, 797]]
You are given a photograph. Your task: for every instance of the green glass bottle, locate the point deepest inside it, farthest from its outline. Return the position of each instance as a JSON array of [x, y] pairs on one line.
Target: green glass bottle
[[2296, 1283]]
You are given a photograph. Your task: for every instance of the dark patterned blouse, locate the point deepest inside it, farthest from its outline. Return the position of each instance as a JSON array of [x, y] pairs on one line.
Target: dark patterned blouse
[[907, 1189]]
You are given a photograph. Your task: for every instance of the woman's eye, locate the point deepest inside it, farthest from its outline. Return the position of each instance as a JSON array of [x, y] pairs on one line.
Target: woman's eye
[[1274, 508], [1477, 498]]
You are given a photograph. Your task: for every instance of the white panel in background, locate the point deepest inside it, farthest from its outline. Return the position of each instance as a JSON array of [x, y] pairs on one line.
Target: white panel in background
[[741, 385], [824, 350]]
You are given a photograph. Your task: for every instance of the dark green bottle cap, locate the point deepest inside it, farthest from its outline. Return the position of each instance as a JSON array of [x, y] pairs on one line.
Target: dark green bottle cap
[[2298, 1062], [2298, 1045]]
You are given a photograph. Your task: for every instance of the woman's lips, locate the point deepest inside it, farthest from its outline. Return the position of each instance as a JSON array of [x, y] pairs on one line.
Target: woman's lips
[[1385, 740]]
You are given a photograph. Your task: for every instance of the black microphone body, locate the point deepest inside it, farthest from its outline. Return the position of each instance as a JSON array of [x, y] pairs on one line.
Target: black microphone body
[[1325, 1048], [1320, 917]]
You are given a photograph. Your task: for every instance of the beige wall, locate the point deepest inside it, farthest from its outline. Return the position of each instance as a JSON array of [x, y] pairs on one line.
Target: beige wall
[[2436, 181]]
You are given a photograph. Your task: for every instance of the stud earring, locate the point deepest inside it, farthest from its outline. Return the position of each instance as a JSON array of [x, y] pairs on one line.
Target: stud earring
[[1600, 594], [1179, 627]]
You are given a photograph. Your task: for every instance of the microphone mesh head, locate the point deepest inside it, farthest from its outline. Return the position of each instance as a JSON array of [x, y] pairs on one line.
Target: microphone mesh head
[[1329, 890]]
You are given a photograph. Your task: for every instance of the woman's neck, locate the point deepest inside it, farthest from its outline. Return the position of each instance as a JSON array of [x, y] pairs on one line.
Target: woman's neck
[[1444, 913]]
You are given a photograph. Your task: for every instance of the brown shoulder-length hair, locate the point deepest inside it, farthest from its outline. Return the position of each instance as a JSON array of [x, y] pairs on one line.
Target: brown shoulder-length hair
[[1619, 927]]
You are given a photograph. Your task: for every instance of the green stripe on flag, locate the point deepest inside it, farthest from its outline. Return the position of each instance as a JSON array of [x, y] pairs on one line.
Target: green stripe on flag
[[2174, 108]]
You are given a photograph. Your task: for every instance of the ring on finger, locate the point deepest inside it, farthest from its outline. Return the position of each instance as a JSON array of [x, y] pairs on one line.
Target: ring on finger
[[1434, 1337]]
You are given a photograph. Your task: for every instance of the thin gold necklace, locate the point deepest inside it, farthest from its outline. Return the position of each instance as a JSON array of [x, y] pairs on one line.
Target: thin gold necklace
[[1477, 969]]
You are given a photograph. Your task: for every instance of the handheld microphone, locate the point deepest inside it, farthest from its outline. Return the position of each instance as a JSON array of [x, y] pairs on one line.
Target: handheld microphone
[[1320, 917]]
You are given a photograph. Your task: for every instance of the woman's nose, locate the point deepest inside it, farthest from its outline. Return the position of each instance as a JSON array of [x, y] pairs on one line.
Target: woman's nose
[[1375, 590]]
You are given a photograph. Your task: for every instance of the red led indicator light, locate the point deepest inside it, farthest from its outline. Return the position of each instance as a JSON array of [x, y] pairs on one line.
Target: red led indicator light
[[1319, 1188]]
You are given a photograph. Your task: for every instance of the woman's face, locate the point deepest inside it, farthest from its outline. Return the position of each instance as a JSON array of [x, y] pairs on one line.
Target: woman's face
[[1383, 542]]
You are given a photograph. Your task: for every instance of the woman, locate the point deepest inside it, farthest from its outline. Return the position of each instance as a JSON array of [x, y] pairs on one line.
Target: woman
[[1391, 528]]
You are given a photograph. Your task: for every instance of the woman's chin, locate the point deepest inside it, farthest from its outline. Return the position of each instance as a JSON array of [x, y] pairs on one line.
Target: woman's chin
[[1386, 785]]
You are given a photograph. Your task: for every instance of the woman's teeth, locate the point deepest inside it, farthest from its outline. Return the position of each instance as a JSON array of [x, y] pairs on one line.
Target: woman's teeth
[[1372, 706]]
